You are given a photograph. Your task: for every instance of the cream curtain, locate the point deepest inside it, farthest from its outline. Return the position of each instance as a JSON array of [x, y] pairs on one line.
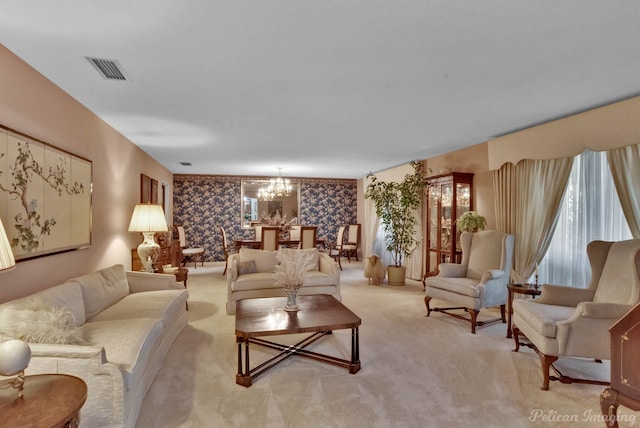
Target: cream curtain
[[624, 164], [527, 199], [372, 224], [504, 191]]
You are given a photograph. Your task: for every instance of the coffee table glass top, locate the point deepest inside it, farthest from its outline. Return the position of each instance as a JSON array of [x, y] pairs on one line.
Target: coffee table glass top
[[265, 316]]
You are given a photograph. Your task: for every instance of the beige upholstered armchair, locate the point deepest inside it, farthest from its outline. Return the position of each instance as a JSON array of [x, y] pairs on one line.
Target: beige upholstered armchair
[[575, 322], [481, 279]]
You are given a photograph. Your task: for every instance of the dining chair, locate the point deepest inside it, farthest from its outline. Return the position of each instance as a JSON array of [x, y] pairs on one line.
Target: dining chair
[[194, 253], [334, 249], [353, 242], [308, 237], [227, 248], [258, 232], [269, 239], [294, 233]]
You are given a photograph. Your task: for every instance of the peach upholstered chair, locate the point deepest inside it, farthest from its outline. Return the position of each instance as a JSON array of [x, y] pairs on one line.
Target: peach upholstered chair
[[480, 281], [574, 322]]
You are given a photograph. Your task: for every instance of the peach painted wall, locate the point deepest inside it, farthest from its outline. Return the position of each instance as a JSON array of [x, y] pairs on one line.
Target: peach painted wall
[[34, 106], [608, 127]]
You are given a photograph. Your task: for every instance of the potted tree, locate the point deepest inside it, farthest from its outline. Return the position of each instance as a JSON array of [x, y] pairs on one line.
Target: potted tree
[[471, 221], [396, 204]]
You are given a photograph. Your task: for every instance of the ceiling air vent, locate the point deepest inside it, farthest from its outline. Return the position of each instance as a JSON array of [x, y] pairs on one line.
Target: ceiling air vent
[[185, 163], [109, 69]]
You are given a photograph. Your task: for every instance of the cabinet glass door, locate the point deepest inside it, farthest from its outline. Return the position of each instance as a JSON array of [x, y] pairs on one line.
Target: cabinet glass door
[[463, 204]]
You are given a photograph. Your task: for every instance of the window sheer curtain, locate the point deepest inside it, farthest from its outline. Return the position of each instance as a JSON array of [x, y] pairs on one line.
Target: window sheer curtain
[[590, 211], [527, 199], [624, 164]]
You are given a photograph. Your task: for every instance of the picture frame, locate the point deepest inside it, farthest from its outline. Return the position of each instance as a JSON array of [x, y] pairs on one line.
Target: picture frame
[[45, 196], [148, 190]]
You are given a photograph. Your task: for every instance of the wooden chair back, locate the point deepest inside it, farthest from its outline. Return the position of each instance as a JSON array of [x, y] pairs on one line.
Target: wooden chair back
[[269, 239], [308, 237]]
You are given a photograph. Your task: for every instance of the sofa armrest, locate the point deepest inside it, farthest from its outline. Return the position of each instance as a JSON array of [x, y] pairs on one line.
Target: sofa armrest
[[452, 270], [105, 384], [561, 295], [145, 281], [327, 265]]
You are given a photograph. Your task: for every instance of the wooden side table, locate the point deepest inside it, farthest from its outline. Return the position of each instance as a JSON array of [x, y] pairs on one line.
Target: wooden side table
[[526, 289], [50, 401], [181, 276]]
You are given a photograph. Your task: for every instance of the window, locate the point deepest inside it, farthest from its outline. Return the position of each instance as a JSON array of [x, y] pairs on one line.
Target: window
[[590, 211]]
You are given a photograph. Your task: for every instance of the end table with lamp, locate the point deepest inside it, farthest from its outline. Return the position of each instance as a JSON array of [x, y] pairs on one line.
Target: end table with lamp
[[532, 290]]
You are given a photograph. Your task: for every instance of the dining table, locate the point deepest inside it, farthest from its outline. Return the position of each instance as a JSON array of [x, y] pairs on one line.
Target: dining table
[[287, 243]]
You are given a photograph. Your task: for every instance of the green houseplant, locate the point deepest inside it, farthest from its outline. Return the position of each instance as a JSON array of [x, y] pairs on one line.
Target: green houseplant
[[396, 204], [471, 221]]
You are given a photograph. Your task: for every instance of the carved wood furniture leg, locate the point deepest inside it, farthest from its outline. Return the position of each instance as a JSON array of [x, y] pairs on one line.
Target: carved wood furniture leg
[[426, 302], [474, 317], [515, 334], [609, 407], [502, 313], [546, 361]]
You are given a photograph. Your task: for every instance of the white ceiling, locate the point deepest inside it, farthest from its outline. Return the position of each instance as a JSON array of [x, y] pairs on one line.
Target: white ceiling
[[327, 88]]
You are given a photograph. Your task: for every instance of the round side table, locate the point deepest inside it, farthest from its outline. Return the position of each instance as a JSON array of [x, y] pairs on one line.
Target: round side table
[[51, 401], [526, 289]]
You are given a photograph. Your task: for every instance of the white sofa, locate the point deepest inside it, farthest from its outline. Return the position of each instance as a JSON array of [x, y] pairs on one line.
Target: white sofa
[[111, 328], [251, 275]]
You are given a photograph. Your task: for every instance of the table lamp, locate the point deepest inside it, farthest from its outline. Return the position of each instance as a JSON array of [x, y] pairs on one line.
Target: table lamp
[[7, 261], [148, 219]]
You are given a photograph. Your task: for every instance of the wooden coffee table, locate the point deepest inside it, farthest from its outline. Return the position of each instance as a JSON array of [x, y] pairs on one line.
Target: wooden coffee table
[[319, 314]]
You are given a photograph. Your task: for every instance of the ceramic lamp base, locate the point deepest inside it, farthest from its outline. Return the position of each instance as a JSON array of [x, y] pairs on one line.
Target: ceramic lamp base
[[148, 251]]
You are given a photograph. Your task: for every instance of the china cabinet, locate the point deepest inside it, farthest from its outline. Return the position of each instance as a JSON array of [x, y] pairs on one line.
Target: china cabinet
[[448, 197]]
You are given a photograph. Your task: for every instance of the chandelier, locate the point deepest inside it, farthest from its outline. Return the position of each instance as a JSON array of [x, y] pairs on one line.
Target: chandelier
[[277, 188]]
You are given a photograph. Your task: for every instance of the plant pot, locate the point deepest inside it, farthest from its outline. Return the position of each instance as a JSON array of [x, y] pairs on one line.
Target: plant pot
[[396, 275]]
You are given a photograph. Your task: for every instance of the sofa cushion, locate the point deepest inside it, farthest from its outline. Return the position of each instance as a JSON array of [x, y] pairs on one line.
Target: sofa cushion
[[265, 260], [159, 304], [464, 286], [541, 317], [255, 281], [317, 278], [102, 289], [129, 343], [68, 296], [35, 320]]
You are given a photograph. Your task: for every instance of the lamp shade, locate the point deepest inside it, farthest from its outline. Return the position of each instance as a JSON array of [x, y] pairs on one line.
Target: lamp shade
[[7, 260], [148, 218]]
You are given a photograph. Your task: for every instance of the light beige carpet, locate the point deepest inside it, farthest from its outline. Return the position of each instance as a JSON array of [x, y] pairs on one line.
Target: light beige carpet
[[416, 371]]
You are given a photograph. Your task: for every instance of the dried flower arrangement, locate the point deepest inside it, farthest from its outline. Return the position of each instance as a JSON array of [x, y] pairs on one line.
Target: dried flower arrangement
[[291, 273], [278, 220]]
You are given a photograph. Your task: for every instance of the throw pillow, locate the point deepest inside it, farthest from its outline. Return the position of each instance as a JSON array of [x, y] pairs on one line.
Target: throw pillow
[[246, 267], [35, 320], [311, 254]]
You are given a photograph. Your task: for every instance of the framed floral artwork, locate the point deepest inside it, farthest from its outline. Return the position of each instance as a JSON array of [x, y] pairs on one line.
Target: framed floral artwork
[[45, 196]]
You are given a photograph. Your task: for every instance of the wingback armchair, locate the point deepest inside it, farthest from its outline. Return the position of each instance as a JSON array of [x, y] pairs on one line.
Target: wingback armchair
[[481, 279], [574, 322]]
